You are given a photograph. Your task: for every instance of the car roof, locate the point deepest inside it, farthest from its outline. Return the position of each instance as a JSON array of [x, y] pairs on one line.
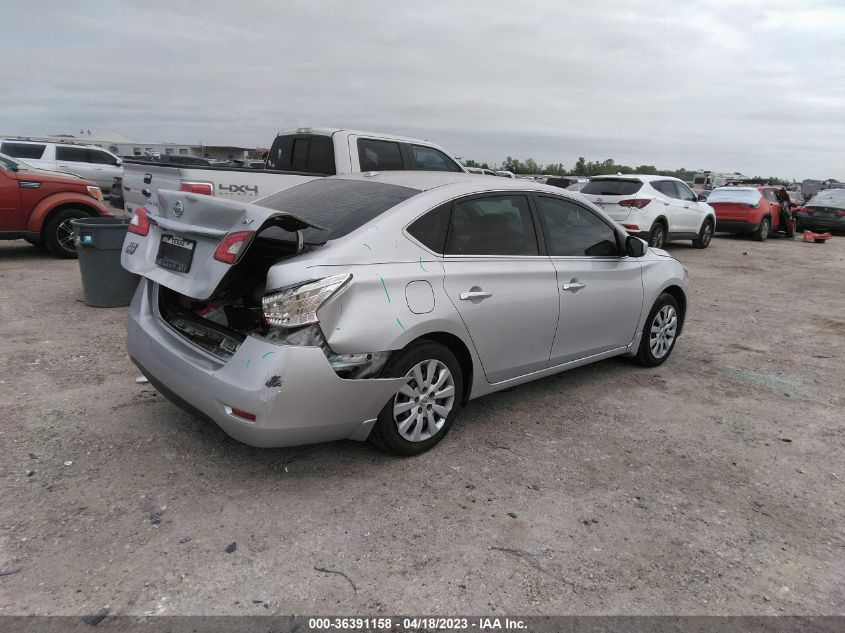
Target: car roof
[[425, 180], [640, 177], [329, 131]]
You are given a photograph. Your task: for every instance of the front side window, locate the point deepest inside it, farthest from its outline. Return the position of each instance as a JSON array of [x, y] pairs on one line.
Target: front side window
[[23, 150], [666, 187], [102, 158], [72, 154], [769, 195], [574, 231], [493, 225], [376, 155], [684, 192], [430, 159]]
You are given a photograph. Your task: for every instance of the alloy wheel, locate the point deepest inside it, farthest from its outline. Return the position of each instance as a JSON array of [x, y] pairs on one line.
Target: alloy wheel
[[664, 328], [421, 407], [64, 236], [707, 235], [659, 237]]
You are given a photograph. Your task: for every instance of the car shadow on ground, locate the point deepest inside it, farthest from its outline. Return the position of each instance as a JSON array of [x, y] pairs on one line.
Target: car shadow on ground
[[18, 250], [342, 455]]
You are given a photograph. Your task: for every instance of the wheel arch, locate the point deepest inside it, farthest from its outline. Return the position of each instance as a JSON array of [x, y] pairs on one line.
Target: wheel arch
[[678, 294], [455, 345], [51, 205]]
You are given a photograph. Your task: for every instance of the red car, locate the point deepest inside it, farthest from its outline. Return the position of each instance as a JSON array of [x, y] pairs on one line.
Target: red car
[[37, 205], [754, 210]]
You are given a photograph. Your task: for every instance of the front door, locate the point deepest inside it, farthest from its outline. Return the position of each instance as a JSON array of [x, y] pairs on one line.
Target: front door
[[601, 298], [504, 289], [10, 198], [692, 211]]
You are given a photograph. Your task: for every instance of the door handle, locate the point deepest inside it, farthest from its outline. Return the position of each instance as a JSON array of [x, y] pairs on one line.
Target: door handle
[[573, 286], [475, 294]]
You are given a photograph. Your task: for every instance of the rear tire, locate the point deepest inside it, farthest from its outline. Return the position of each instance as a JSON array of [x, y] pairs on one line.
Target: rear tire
[[660, 332], [705, 235], [58, 234], [762, 232], [657, 235], [422, 412]]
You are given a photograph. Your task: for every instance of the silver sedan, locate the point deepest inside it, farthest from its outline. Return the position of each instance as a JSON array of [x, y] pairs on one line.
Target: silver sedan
[[374, 306]]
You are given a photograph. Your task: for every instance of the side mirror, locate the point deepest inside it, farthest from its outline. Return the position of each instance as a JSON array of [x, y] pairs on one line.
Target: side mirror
[[702, 198], [634, 246], [118, 162]]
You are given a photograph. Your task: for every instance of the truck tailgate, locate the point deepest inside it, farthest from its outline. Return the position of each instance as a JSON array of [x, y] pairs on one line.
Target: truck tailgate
[[184, 232], [138, 177]]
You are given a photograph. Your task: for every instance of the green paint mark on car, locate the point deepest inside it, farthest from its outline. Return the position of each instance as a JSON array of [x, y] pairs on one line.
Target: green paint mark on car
[[266, 354], [386, 293], [368, 246], [400, 324], [421, 266], [248, 361]]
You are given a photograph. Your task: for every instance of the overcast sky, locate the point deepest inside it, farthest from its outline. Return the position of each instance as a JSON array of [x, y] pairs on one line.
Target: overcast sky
[[703, 85]]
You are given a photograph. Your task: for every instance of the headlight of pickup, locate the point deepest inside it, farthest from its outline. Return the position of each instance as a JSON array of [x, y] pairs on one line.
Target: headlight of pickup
[[298, 306], [95, 192]]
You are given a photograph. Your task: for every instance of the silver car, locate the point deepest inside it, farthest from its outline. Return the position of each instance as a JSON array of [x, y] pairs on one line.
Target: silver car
[[372, 306]]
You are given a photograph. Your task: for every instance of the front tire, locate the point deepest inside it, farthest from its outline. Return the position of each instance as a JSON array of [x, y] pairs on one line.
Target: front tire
[[705, 235], [657, 235], [762, 232], [660, 332], [421, 412], [58, 234]]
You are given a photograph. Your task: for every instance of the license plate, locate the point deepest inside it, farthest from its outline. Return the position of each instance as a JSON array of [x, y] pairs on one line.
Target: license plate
[[175, 253]]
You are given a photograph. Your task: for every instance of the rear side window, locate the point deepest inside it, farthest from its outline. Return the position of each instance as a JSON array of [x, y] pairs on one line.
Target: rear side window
[[612, 187], [23, 150], [312, 153], [666, 187], [376, 155], [431, 228], [337, 206], [494, 225], [768, 194], [575, 231], [73, 154], [430, 159]]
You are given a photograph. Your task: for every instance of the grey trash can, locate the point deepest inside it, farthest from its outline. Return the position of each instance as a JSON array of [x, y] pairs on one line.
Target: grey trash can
[[99, 241]]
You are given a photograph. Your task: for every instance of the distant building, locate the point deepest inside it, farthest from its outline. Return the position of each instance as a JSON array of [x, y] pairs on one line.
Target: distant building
[[118, 144]]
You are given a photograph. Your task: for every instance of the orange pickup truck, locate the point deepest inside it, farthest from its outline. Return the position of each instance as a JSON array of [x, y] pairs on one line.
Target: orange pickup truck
[[37, 205]]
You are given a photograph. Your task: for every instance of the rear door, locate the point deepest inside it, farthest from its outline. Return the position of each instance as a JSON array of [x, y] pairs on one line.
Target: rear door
[[773, 206], [501, 283], [672, 206], [105, 168], [601, 296]]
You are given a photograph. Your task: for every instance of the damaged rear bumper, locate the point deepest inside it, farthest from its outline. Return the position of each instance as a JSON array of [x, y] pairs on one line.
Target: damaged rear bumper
[[292, 391]]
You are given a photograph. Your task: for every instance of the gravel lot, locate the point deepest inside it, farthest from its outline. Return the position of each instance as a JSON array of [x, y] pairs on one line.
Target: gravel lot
[[710, 485]]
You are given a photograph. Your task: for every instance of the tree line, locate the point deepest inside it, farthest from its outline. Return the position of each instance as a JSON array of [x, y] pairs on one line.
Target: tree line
[[583, 167]]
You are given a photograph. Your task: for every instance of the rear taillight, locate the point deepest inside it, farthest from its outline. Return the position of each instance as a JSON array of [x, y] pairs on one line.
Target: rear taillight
[[140, 222], [204, 188], [637, 203], [807, 210], [840, 214], [631, 227], [232, 246]]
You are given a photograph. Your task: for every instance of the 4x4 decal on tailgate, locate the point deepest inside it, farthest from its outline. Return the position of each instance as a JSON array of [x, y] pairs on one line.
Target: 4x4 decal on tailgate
[[239, 189]]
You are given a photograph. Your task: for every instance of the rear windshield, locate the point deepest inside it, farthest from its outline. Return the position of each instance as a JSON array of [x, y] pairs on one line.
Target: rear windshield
[[312, 153], [612, 187], [828, 197], [338, 206], [738, 195]]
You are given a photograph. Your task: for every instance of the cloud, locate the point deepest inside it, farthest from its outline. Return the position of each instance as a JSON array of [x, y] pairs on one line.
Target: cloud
[[756, 88]]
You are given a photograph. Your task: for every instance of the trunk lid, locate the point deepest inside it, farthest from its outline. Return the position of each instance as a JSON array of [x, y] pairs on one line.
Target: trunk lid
[[185, 231], [607, 193], [731, 210]]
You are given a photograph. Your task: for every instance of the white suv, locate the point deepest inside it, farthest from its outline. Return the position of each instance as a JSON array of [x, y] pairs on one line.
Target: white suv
[[89, 161], [658, 209]]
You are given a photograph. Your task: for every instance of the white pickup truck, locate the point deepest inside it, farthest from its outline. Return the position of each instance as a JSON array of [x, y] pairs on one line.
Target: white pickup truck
[[296, 156]]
